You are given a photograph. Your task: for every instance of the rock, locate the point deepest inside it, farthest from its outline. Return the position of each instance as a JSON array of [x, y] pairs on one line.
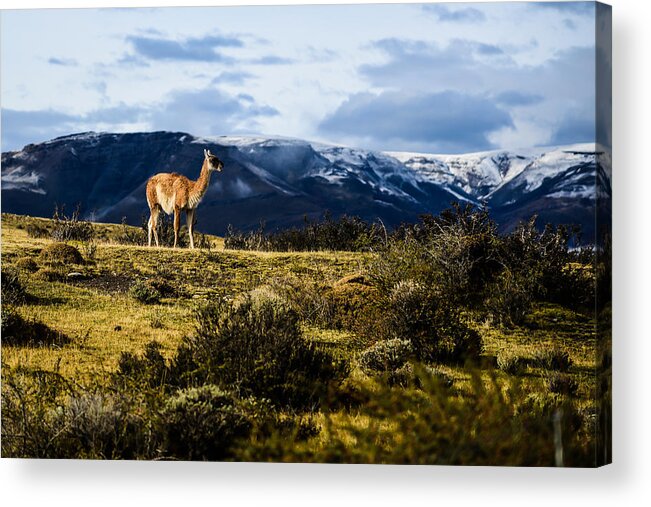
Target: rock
[[75, 275]]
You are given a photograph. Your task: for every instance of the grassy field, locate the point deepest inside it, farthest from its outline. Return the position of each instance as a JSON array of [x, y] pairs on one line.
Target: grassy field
[[102, 320], [97, 314]]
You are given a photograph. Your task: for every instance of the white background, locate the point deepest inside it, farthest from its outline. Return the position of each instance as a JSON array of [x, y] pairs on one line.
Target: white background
[[626, 482]]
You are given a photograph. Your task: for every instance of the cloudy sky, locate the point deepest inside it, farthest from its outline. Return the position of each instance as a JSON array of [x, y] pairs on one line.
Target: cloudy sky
[[439, 78]]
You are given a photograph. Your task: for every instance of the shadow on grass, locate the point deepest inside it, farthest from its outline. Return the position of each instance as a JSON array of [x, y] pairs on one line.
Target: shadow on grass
[[19, 332]]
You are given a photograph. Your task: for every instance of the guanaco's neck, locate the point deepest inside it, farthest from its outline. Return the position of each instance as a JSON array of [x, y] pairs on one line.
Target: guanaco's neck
[[201, 185]]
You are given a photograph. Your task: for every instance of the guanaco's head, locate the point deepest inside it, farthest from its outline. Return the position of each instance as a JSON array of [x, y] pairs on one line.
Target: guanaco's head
[[214, 164]]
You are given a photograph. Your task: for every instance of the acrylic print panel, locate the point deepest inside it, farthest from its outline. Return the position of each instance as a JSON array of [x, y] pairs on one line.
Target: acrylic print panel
[[336, 233]]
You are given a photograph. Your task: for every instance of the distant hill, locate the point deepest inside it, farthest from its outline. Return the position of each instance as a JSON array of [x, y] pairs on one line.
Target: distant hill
[[279, 180]]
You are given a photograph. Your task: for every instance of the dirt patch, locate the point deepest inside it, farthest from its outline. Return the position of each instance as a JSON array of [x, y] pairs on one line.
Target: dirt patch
[[109, 283]]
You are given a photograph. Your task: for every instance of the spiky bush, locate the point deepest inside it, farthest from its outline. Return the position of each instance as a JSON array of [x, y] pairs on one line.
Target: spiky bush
[[203, 423], [434, 326], [511, 363], [344, 233], [496, 423], [258, 349], [386, 356], [553, 359], [67, 228]]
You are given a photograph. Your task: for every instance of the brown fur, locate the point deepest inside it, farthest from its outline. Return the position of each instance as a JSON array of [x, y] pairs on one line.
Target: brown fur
[[174, 193]]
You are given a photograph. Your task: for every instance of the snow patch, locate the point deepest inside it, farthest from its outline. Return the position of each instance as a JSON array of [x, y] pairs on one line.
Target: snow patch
[[18, 178]]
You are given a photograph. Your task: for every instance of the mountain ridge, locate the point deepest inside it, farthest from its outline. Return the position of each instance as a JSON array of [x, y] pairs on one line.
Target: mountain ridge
[[279, 180]]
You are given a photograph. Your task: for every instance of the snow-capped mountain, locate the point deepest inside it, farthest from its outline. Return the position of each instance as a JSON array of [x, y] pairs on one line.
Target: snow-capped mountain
[[483, 174], [278, 180]]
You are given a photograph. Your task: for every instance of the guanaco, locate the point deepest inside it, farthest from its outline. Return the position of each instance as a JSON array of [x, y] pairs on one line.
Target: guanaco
[[174, 193]]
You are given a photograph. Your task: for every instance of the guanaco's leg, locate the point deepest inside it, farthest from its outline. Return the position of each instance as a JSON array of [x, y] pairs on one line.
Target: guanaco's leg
[[177, 225], [152, 225], [189, 216]]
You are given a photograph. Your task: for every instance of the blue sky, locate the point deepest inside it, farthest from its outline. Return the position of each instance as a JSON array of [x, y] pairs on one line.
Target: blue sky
[[439, 78]]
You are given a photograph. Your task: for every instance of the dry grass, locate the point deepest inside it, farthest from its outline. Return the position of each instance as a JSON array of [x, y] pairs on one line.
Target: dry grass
[[102, 320]]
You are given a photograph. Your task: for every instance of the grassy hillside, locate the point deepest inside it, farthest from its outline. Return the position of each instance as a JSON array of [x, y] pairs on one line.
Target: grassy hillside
[[428, 411]]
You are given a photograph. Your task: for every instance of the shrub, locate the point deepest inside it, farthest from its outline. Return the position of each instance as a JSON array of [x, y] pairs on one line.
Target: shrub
[[545, 259], [46, 416], [156, 321], [308, 297], [70, 228], [554, 359], [145, 292], [434, 327], [150, 370], [345, 233], [258, 349], [511, 363], [354, 305], [203, 423], [560, 383], [386, 355], [457, 251], [28, 402], [35, 230], [131, 235], [61, 253], [98, 426], [510, 298], [13, 291], [494, 424], [27, 264]]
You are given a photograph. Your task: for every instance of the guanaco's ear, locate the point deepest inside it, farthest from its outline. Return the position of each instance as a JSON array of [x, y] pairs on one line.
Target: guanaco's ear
[[205, 153]]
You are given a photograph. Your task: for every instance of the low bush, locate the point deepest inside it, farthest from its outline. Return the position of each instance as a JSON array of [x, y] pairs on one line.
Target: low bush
[[560, 383], [354, 305], [511, 363], [553, 359], [203, 423], [99, 426], [149, 371], [259, 350], [145, 292], [67, 228], [345, 233], [61, 253], [495, 423], [46, 416], [162, 286], [35, 230], [386, 356], [308, 297]]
